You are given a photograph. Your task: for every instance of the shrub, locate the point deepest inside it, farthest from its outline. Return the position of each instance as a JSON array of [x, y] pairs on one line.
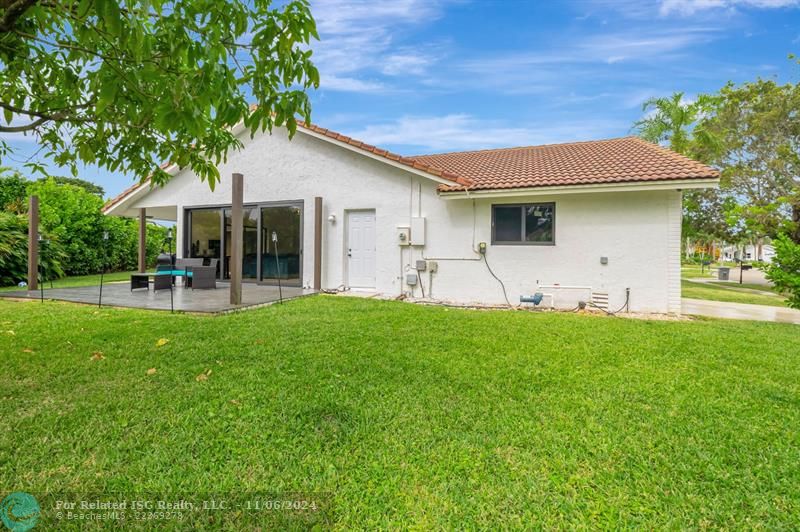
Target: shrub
[[14, 252], [73, 215], [13, 248], [784, 272], [71, 220]]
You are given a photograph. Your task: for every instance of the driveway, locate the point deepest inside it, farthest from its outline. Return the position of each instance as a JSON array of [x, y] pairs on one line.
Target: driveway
[[739, 311], [751, 276]]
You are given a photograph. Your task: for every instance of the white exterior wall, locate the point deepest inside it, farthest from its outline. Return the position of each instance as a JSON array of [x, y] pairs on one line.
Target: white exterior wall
[[639, 232]]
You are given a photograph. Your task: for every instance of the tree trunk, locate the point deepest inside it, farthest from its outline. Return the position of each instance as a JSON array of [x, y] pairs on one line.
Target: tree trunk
[[795, 235]]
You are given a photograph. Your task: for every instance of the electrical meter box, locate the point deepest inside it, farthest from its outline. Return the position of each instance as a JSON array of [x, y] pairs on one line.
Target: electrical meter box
[[403, 235]]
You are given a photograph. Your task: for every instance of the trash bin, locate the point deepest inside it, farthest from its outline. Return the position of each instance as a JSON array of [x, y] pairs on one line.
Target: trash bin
[[723, 273]]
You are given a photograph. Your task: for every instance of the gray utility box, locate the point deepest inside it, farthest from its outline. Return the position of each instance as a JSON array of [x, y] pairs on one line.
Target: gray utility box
[[411, 279], [723, 274]]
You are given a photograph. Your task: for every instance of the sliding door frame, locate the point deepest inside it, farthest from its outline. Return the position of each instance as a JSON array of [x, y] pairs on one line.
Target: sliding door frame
[[290, 203], [187, 237]]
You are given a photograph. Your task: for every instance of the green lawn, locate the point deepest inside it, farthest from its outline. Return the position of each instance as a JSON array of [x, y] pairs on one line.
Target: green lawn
[[729, 293], [404, 416], [694, 270], [752, 286], [81, 280], [723, 291]]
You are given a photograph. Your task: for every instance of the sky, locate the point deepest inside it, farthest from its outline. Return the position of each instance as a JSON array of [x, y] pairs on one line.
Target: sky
[[428, 76]]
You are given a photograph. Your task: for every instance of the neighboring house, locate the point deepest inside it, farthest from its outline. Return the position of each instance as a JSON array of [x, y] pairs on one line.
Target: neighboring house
[[596, 217], [749, 252]]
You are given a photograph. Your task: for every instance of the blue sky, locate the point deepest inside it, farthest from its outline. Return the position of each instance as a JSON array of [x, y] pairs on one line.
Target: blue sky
[[423, 76]]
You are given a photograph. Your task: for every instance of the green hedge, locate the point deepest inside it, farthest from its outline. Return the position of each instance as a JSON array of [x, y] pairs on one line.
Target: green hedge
[[72, 221]]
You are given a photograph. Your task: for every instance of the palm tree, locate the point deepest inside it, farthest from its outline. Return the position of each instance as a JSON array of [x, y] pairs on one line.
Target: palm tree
[[681, 125], [669, 119]]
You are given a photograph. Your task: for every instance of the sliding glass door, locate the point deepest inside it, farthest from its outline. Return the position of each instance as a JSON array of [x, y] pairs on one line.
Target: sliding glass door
[[282, 243], [205, 234], [264, 258], [249, 243]]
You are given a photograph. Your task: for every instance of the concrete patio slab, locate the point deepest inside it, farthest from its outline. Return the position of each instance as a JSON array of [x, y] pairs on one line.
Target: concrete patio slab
[[740, 311], [184, 299]]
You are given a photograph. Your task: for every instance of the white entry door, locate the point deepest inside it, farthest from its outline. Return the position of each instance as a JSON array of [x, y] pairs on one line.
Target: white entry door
[[361, 249]]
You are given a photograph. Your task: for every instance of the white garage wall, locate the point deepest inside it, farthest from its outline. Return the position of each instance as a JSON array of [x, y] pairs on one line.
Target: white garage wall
[[639, 232]]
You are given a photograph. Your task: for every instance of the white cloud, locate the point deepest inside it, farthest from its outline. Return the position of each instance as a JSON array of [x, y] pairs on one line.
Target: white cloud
[[465, 132], [647, 10], [690, 7], [407, 62], [605, 48], [641, 45], [346, 16], [348, 84], [590, 58], [359, 39]]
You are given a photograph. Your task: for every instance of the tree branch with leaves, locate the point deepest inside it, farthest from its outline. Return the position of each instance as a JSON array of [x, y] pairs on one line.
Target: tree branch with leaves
[[128, 87]]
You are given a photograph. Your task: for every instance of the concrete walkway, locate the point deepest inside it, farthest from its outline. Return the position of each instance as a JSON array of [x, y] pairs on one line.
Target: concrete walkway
[[739, 311]]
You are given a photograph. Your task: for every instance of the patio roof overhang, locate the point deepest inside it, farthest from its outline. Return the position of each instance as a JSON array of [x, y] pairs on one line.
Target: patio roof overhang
[[130, 201]]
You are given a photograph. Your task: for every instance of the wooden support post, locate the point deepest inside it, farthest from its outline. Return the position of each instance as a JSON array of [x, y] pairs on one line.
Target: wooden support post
[[142, 240], [235, 266], [33, 243], [317, 243]]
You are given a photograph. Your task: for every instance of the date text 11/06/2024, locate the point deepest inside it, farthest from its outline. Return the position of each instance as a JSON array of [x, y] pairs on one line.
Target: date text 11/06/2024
[[255, 504]]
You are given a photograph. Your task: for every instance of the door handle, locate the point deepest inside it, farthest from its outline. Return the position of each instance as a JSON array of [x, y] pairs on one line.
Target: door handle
[[349, 252]]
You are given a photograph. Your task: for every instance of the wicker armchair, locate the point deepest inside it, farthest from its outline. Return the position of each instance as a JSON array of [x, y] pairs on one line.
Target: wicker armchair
[[183, 264], [203, 277], [161, 281]]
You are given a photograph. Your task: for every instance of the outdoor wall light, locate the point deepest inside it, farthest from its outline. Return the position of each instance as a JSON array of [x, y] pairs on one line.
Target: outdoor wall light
[[332, 218]]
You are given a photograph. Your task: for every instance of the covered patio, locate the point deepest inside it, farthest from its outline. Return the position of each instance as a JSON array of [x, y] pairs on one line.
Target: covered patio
[[119, 294], [250, 270]]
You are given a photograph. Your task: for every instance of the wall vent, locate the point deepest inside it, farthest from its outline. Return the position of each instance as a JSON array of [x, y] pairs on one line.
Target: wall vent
[[600, 299]]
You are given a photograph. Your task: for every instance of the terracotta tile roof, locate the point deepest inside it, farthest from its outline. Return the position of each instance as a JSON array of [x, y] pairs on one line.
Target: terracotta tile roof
[[621, 160]]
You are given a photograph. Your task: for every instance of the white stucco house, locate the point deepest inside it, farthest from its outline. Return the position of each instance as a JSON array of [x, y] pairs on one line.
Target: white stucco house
[[749, 252], [596, 220]]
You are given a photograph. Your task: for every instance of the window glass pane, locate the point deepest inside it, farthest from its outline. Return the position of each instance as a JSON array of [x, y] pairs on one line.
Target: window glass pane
[[204, 234], [507, 224], [539, 223], [249, 242], [286, 223]]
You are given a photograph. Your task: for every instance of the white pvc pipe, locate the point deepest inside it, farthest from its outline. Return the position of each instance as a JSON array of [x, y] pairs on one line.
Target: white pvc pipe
[[563, 287], [566, 287]]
